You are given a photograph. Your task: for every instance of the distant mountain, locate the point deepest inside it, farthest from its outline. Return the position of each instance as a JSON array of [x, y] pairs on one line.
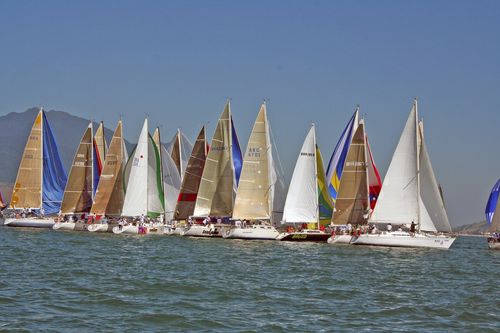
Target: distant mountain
[[15, 128], [472, 229]]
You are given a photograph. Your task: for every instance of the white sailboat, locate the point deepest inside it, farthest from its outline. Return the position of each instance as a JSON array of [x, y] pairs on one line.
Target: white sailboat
[[260, 190], [79, 191], [410, 195], [308, 203], [144, 191], [215, 199], [109, 195], [40, 181]]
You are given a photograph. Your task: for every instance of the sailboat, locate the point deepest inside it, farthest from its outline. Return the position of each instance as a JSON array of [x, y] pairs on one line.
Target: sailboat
[[308, 202], [219, 181], [143, 202], [410, 194], [82, 181], [188, 193], [180, 149], [40, 180], [493, 217], [110, 192], [260, 191], [358, 189]]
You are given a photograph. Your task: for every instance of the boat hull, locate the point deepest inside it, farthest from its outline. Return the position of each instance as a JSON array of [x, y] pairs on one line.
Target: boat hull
[[304, 236], [30, 222], [70, 226], [404, 239], [494, 243], [137, 230], [202, 231], [102, 227], [171, 230], [254, 232], [340, 239]]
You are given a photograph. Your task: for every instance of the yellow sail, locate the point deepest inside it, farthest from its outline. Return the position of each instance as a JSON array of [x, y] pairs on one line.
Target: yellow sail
[[27, 191], [100, 142], [352, 202], [78, 192], [253, 196], [108, 199], [216, 192]]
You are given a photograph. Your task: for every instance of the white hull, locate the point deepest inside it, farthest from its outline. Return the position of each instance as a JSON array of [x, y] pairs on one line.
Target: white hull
[[494, 245], [137, 230], [202, 231], [252, 232], [101, 227], [70, 226], [30, 222], [404, 239], [171, 230], [340, 239]]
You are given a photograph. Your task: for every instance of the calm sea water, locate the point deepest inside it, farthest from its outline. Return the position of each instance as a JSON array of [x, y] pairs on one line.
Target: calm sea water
[[82, 282]]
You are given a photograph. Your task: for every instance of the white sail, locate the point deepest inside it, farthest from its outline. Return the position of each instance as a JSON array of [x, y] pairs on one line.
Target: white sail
[[171, 183], [144, 194], [430, 196], [301, 205], [398, 199]]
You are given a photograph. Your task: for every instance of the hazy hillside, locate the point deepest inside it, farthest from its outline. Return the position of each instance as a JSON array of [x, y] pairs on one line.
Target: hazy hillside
[[472, 229], [14, 130]]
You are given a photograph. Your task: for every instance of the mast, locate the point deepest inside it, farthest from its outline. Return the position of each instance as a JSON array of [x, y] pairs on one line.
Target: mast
[[365, 140], [180, 150], [419, 144], [316, 175], [92, 156], [41, 161], [161, 172]]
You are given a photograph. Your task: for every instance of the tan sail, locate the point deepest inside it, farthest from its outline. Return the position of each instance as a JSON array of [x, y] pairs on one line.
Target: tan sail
[[27, 191], [253, 200], [156, 138], [192, 178], [176, 153], [352, 202], [100, 142], [110, 192], [78, 192], [216, 193]]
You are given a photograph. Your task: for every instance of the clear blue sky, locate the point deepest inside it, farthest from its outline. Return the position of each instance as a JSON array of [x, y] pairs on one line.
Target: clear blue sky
[[314, 60]]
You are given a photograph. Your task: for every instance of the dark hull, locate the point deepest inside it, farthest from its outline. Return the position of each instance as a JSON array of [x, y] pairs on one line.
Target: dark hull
[[305, 237]]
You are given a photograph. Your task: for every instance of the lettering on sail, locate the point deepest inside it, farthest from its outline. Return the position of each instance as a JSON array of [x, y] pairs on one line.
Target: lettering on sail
[[254, 152]]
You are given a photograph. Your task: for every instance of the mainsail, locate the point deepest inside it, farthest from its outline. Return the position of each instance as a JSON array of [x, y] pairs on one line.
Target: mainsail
[[352, 204], [79, 192], [179, 149], [493, 209], [108, 199], [410, 192], [144, 193], [301, 205], [336, 165], [221, 173], [254, 198], [192, 178], [41, 177], [325, 203], [100, 149]]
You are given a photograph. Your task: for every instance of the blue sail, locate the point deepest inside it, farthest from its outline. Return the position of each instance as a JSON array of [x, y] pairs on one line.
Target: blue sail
[[54, 175], [492, 202], [237, 158], [336, 164]]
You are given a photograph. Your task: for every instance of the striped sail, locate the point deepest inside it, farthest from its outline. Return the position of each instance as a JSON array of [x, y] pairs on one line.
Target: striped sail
[[220, 176], [336, 165], [110, 193], [192, 178], [144, 192], [352, 201], [78, 193]]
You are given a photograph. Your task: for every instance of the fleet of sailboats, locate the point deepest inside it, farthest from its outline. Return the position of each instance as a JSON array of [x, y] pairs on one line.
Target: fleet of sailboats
[[213, 190]]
